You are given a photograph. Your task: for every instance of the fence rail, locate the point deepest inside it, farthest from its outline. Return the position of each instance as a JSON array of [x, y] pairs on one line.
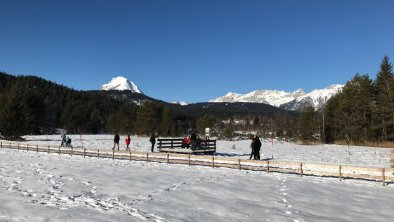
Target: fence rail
[[383, 175]]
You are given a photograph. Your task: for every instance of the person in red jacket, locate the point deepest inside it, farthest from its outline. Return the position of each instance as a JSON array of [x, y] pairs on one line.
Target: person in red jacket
[[128, 140]]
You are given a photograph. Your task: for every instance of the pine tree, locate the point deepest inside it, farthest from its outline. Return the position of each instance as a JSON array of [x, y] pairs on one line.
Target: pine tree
[[307, 125], [332, 126], [148, 118], [203, 122], [15, 116], [167, 127], [355, 108], [384, 86]]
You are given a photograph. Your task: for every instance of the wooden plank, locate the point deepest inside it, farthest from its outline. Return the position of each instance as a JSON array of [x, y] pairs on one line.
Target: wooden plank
[[360, 168], [284, 163], [340, 173]]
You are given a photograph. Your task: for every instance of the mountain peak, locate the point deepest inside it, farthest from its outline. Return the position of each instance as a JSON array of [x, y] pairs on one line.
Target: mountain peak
[[121, 83], [298, 92]]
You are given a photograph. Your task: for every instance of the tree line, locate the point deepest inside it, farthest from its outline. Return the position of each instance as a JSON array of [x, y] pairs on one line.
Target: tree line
[[363, 112], [32, 105]]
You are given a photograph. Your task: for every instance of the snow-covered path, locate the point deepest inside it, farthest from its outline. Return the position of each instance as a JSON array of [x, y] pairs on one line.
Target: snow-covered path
[[48, 187]]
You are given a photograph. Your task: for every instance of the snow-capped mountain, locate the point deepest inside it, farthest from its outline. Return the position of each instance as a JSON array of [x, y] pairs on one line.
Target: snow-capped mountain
[[317, 98], [296, 100], [121, 83], [271, 97]]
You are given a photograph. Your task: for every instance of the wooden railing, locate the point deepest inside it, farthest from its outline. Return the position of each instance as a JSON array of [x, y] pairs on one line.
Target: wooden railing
[[168, 145], [383, 175]]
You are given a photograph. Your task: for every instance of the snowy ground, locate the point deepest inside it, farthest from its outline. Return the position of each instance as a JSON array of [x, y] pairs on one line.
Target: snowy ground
[[336, 154], [48, 187]]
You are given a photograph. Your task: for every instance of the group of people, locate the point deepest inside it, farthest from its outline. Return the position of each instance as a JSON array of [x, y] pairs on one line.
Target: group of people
[[152, 140], [66, 141], [187, 142], [193, 141], [255, 146]]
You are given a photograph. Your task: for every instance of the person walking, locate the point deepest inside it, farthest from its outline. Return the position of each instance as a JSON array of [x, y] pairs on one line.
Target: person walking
[[64, 139], [152, 141], [128, 140], [253, 147], [257, 146], [116, 141]]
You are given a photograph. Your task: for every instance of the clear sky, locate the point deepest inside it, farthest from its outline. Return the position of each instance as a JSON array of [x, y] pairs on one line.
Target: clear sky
[[196, 50]]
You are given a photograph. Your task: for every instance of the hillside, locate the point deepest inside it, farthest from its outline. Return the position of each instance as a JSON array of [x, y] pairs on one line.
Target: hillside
[[43, 106]]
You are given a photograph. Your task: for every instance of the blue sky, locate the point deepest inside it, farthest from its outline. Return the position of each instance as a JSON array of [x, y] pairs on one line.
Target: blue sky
[[196, 50]]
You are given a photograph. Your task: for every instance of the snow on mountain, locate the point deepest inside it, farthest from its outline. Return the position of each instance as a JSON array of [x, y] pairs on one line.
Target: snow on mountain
[[296, 100], [317, 98], [271, 97], [182, 103], [121, 83]]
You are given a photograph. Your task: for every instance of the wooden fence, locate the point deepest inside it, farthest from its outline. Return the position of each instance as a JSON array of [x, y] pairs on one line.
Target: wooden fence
[[383, 175]]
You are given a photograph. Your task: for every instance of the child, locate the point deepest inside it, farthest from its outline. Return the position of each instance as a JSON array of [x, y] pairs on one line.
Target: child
[[128, 142]]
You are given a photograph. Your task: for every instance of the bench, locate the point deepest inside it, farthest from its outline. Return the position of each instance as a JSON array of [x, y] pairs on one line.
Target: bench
[[175, 146]]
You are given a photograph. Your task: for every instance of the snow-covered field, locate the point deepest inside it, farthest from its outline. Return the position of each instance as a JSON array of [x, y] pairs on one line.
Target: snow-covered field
[[336, 154], [48, 187]]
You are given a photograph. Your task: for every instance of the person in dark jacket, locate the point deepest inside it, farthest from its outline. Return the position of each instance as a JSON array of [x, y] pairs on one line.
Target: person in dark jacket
[[255, 146], [116, 141], [258, 146], [152, 141], [252, 146]]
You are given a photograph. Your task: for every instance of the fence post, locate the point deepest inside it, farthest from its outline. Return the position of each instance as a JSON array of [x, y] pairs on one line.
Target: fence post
[[98, 154], [72, 151], [48, 149], [130, 156], [168, 158], [84, 152], [268, 166], [383, 177], [1, 144], [10, 146], [213, 161], [59, 151], [113, 154], [239, 164], [301, 170], [36, 147], [18, 146], [340, 172], [147, 157]]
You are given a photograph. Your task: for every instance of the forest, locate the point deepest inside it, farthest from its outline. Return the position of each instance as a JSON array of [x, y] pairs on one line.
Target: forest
[[363, 112], [32, 105]]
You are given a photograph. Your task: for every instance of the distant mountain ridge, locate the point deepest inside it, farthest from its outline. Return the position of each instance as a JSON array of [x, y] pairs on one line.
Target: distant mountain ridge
[[295, 101]]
